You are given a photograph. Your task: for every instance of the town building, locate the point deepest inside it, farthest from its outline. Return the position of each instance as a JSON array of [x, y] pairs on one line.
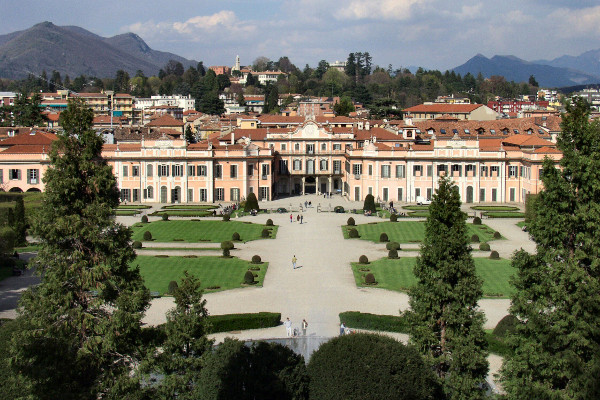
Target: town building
[[478, 112]]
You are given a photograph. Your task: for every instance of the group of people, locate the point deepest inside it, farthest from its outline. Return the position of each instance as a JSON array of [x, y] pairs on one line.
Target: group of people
[[299, 218], [294, 333]]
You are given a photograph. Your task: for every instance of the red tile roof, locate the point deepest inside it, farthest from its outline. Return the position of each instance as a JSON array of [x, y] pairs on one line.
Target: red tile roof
[[33, 138], [441, 108], [165, 120], [28, 149]]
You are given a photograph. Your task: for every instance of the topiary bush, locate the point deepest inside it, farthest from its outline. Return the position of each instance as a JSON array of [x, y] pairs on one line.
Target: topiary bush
[[338, 209], [506, 326], [269, 222], [265, 233], [393, 254], [484, 247], [147, 235], [394, 217], [165, 217], [226, 253], [370, 279], [227, 244], [494, 255], [369, 204], [475, 239], [351, 222], [251, 203], [353, 233], [256, 259], [497, 235], [363, 259], [137, 244], [383, 237], [226, 217], [392, 246], [248, 278], [476, 221], [173, 286], [370, 366], [144, 219], [235, 236]]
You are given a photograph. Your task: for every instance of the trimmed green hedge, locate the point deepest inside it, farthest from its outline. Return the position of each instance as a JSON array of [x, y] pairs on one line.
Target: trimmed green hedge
[[374, 322], [238, 322], [495, 208], [506, 214]]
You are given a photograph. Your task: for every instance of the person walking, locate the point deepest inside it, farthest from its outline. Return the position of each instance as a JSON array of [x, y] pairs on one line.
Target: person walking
[[301, 218], [342, 329], [298, 218], [291, 218], [288, 327], [294, 260], [304, 326]]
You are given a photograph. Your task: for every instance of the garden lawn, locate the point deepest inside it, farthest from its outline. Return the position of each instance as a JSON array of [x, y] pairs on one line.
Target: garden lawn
[[213, 272], [190, 207], [410, 231], [184, 213], [199, 231], [398, 275]]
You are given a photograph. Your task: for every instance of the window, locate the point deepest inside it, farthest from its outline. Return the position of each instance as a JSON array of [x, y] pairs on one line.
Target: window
[[337, 146], [235, 194], [493, 132], [149, 170], [400, 171], [219, 194], [323, 146], [14, 174], [442, 170], [263, 193], [512, 172], [233, 171], [33, 176], [310, 166], [310, 148], [337, 167], [482, 195], [385, 173], [297, 165], [190, 195], [484, 171], [429, 191], [150, 192], [203, 195], [430, 170], [323, 165], [512, 194], [494, 170], [456, 170], [125, 171], [125, 195], [283, 167], [218, 171], [250, 169], [417, 192], [297, 146], [201, 170], [163, 170], [370, 170], [283, 146], [400, 194], [357, 169], [1, 176], [385, 195], [191, 170], [417, 170], [135, 171], [264, 170], [494, 194], [470, 169], [136, 194], [177, 170]]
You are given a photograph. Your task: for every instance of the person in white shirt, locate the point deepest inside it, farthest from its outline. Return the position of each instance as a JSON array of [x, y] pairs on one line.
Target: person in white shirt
[[288, 327]]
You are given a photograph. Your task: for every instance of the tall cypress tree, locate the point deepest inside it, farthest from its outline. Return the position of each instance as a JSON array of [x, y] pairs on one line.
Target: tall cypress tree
[[82, 323], [20, 224], [557, 344], [446, 325]]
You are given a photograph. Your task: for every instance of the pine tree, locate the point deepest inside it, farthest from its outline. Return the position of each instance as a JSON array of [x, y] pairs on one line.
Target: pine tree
[[82, 323], [557, 301], [180, 359], [446, 325], [19, 223]]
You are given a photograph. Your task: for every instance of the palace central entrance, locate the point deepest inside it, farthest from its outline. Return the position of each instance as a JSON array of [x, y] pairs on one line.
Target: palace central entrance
[[310, 186]]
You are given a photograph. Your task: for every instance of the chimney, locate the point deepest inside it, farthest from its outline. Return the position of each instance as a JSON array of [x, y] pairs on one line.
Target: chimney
[[232, 138]]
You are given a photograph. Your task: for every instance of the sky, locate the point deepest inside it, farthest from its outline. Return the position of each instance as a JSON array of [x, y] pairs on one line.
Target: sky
[[435, 34]]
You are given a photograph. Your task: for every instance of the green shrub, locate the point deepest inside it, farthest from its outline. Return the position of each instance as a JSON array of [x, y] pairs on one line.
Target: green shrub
[[269, 222], [165, 217], [530, 207], [338, 209], [392, 246], [506, 326], [147, 235], [227, 244], [352, 233], [497, 235], [494, 255], [248, 278], [369, 204], [383, 237], [256, 259], [251, 203], [173, 286], [393, 217], [370, 366], [237, 322], [363, 259], [351, 222], [475, 239], [393, 254], [484, 247], [235, 236], [226, 253], [226, 217], [476, 221], [144, 219], [375, 322], [137, 244], [265, 233], [370, 279]]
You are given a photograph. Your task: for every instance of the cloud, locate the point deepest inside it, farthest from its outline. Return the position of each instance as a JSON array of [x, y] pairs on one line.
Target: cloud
[[378, 9], [575, 23]]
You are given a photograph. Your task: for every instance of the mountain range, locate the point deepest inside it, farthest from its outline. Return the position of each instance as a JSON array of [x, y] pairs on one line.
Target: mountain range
[[73, 51], [563, 71]]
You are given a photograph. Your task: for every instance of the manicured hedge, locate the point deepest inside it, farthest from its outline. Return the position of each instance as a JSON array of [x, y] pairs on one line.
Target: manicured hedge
[[374, 322], [238, 322]]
